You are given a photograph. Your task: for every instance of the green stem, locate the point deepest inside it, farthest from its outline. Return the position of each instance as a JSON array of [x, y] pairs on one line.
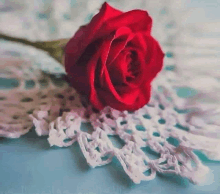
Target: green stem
[[54, 48]]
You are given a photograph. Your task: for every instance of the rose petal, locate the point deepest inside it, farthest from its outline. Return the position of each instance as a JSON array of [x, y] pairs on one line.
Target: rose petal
[[129, 99], [139, 66], [108, 52], [154, 55], [78, 71], [118, 69], [122, 36], [139, 42], [84, 36], [83, 75], [111, 91], [155, 58], [132, 101], [94, 70], [136, 20]]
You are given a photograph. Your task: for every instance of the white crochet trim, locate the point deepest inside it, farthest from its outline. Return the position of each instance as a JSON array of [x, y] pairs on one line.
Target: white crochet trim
[[156, 138], [17, 103], [152, 127]]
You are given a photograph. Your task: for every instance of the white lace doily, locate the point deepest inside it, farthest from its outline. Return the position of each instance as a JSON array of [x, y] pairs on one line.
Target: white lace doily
[[159, 138]]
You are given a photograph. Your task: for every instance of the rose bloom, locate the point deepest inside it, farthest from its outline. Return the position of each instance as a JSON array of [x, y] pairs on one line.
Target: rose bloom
[[114, 59]]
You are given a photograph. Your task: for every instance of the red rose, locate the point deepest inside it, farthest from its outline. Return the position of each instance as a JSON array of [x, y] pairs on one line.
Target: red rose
[[114, 59]]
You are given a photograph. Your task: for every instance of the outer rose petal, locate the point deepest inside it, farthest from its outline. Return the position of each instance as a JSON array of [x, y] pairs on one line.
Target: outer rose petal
[[154, 54], [91, 71], [155, 60], [84, 36], [136, 20], [78, 76], [142, 97]]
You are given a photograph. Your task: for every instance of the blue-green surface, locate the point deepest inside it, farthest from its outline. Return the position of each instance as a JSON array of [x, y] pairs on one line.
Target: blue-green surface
[[29, 166]]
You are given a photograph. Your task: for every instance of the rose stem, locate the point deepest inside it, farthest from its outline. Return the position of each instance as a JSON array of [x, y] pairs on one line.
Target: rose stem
[[54, 48]]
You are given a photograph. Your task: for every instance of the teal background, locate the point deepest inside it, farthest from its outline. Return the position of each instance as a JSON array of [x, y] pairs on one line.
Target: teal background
[[29, 166]]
